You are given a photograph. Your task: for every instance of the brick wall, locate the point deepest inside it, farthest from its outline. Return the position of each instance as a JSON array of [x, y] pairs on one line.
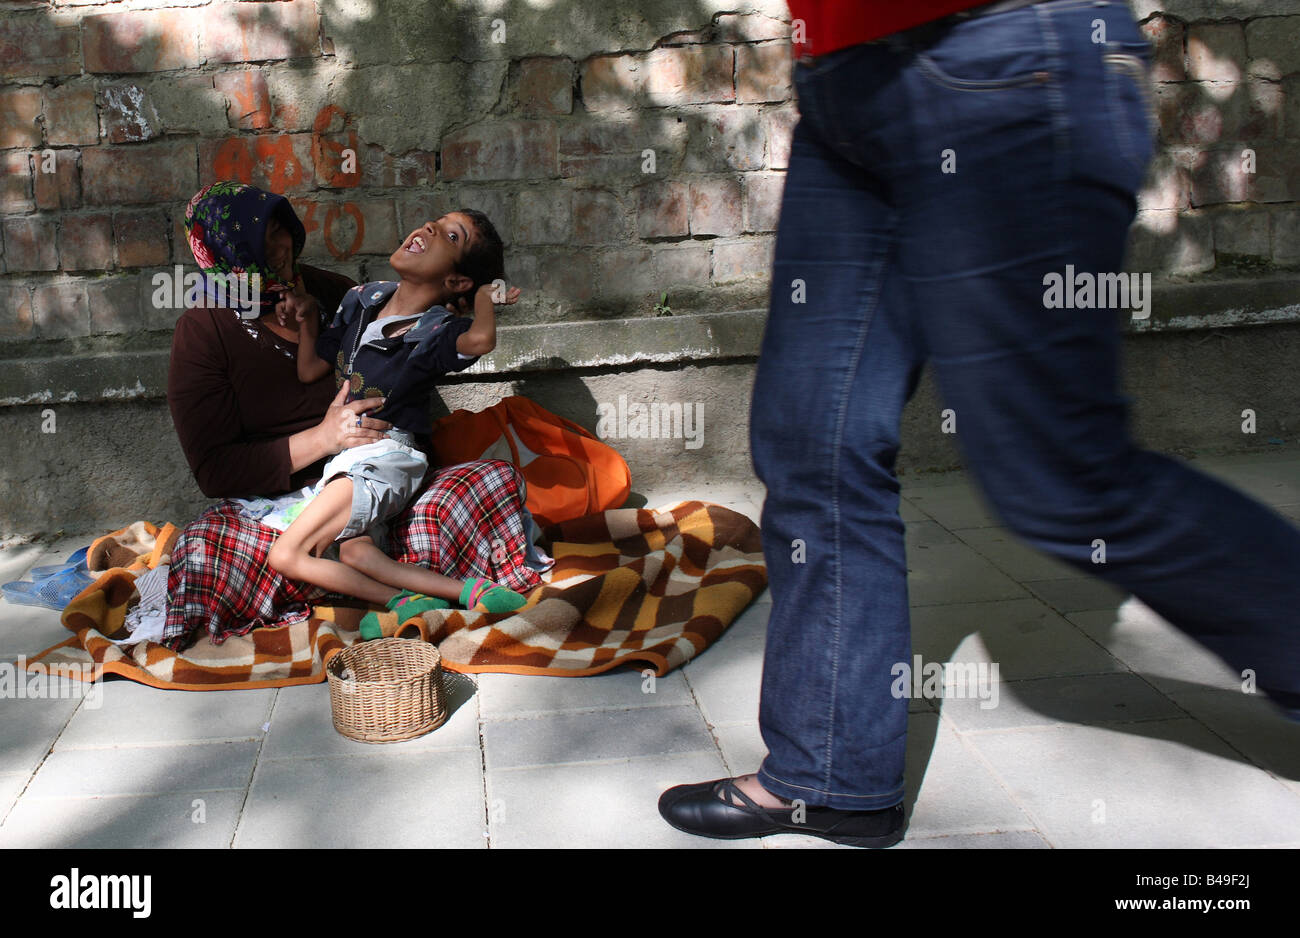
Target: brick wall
[[624, 149]]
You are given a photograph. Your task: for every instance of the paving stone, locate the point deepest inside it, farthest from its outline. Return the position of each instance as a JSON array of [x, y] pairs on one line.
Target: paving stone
[[1010, 840], [1077, 595], [1272, 479], [133, 714], [1153, 648], [144, 770], [954, 503], [29, 630], [170, 820], [1016, 559], [411, 799], [561, 738], [521, 695], [610, 804], [302, 724], [726, 679], [949, 790], [11, 784], [954, 573], [1168, 783], [926, 534], [28, 727], [1092, 698], [1024, 638], [1250, 724]]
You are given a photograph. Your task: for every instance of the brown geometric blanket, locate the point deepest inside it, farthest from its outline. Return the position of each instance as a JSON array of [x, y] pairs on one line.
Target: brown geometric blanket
[[630, 587]]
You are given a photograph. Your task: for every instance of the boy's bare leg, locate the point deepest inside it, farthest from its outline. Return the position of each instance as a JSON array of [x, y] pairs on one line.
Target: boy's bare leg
[[361, 553], [293, 554]]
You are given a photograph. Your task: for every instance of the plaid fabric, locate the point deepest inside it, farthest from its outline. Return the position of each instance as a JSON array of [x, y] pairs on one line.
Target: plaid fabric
[[467, 522], [630, 587]]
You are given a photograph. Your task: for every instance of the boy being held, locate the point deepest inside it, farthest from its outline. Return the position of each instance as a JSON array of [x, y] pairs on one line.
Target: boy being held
[[393, 340]]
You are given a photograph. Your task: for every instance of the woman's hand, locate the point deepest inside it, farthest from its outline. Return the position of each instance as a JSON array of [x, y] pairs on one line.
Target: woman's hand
[[339, 428], [302, 310]]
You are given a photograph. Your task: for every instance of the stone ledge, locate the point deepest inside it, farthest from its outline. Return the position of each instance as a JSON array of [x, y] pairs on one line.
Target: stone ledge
[[622, 344]]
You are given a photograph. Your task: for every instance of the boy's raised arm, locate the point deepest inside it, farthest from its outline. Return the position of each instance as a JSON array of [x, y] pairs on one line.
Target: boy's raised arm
[[481, 337]]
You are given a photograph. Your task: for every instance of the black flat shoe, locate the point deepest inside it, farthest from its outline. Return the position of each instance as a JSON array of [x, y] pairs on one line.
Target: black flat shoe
[[700, 809]]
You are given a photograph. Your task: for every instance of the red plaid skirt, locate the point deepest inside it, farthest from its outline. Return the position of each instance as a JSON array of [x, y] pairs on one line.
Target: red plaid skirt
[[468, 522]]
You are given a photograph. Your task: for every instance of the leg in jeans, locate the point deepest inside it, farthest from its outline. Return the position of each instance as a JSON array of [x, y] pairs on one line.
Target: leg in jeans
[[1035, 389], [833, 375]]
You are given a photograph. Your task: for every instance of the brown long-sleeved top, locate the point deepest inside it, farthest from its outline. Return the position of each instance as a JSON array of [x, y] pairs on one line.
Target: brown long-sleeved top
[[235, 397]]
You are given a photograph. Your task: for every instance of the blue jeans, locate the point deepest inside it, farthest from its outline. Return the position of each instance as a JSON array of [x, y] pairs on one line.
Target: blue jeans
[[885, 260]]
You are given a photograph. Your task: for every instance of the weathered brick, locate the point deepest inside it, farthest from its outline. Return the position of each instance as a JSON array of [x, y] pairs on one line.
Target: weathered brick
[[20, 112], [1222, 174], [505, 150], [763, 73], [544, 86], [1167, 186], [35, 45], [627, 274], [1186, 251], [716, 207], [1216, 52], [187, 102], [30, 244], [750, 27], [663, 209], [598, 217], [1188, 114], [140, 238], [280, 163], [128, 115], [763, 200], [115, 305], [1273, 43], [1286, 237], [16, 183], [724, 139], [156, 172], [15, 311], [56, 180], [686, 263], [569, 276], [60, 310], [344, 229], [612, 82], [689, 75], [381, 169], [543, 216], [778, 129], [257, 32], [70, 117], [86, 242], [248, 103], [335, 150], [141, 41], [1166, 35], [1242, 232], [742, 260]]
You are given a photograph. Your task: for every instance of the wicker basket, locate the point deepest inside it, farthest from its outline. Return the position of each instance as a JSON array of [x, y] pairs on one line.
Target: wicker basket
[[394, 691]]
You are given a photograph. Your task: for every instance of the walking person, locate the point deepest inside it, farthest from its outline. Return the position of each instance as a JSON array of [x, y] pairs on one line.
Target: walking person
[[945, 163]]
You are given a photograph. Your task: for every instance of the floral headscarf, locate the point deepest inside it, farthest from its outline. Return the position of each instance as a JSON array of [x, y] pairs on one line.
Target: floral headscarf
[[226, 227]]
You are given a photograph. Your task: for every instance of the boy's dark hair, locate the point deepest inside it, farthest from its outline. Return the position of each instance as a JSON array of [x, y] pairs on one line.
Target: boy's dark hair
[[485, 259]]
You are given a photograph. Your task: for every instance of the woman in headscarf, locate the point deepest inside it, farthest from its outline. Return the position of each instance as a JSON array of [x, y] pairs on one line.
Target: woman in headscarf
[[249, 428]]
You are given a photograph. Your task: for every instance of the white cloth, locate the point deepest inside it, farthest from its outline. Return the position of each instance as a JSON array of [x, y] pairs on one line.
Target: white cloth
[[146, 619]]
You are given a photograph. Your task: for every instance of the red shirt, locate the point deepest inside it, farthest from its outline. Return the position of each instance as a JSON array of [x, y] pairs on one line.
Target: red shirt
[[838, 24]]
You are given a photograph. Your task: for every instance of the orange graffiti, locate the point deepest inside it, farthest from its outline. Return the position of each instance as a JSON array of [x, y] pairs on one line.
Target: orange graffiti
[[272, 157]]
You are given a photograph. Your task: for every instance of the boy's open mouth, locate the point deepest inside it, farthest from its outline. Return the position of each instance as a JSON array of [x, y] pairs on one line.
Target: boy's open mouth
[[416, 245]]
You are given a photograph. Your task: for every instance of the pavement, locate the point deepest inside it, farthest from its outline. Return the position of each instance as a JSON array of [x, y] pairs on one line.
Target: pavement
[[1111, 729]]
